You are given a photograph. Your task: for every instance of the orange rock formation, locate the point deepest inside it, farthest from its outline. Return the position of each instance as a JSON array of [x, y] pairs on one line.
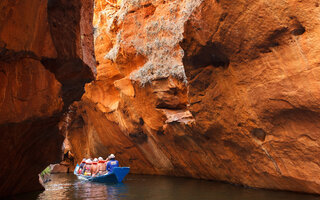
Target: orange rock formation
[[219, 90], [211, 89]]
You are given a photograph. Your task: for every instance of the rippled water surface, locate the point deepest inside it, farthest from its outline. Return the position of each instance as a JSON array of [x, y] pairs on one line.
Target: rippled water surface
[[136, 187]]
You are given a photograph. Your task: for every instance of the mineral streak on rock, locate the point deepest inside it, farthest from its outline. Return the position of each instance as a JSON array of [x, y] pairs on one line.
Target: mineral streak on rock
[[45, 55], [219, 90]]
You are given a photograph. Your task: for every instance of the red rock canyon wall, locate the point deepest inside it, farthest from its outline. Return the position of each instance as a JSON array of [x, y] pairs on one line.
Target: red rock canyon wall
[[45, 60], [219, 90]]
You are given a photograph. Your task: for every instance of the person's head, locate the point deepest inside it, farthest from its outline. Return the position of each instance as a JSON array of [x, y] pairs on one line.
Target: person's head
[[83, 160], [100, 159], [112, 157], [89, 162], [95, 160]]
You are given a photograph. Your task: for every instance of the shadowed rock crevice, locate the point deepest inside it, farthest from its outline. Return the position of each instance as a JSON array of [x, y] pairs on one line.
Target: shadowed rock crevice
[[258, 133], [73, 74], [296, 27], [72, 31], [75, 65], [273, 40], [210, 54], [38, 136], [47, 56], [7, 55], [139, 137]]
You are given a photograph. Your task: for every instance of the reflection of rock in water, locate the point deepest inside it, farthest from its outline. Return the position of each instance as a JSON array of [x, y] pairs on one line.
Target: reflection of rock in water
[[88, 189], [99, 190]]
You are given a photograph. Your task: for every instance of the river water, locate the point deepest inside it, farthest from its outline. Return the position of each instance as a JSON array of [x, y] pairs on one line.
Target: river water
[[140, 187]]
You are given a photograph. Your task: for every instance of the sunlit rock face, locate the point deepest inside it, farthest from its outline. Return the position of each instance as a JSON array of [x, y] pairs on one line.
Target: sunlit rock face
[[253, 79], [44, 65], [219, 90]]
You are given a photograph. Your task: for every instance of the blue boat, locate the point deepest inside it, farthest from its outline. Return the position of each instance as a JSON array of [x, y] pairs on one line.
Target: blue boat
[[116, 176]]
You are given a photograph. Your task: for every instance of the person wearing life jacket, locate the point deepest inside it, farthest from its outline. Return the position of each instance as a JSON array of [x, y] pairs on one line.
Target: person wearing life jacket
[[84, 167], [107, 160], [88, 168], [102, 166], [82, 164], [112, 163], [94, 167]]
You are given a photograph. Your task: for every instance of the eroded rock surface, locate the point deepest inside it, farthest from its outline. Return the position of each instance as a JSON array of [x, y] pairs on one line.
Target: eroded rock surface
[[222, 90], [44, 65]]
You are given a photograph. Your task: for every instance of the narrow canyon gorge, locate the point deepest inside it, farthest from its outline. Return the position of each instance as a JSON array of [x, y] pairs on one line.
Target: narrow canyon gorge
[[46, 57], [208, 89]]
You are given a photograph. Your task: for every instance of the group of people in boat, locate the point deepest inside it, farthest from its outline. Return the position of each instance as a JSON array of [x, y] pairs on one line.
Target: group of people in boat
[[98, 166]]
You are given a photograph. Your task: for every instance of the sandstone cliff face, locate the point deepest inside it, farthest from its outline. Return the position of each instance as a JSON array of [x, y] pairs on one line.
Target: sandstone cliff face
[[223, 90], [44, 64]]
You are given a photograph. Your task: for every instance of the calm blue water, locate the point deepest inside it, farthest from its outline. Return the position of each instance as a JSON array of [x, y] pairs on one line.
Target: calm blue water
[[139, 187]]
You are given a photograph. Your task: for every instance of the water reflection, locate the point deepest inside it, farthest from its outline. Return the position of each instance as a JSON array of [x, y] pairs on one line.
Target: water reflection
[[84, 190], [67, 186]]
